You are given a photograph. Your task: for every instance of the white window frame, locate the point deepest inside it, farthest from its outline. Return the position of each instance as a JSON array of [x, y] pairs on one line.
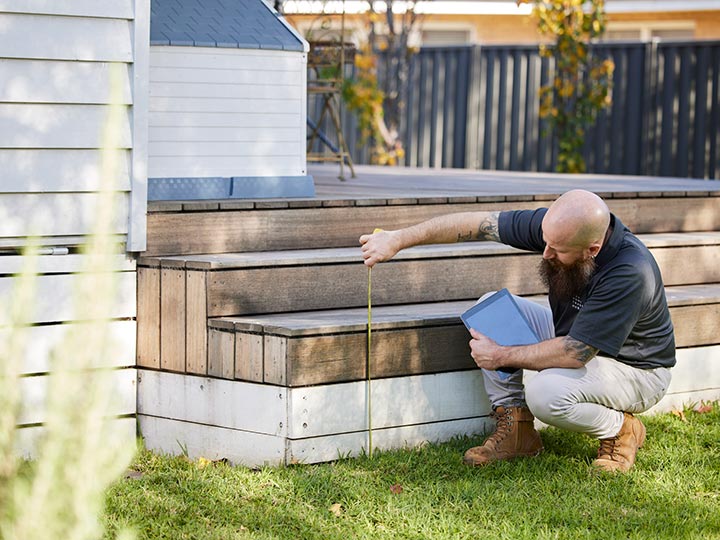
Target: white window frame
[[646, 28]]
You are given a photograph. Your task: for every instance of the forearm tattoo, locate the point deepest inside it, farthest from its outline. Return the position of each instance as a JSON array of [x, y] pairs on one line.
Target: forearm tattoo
[[489, 228], [464, 237], [579, 350]]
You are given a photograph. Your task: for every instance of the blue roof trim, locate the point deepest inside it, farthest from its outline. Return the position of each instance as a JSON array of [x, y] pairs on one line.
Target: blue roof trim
[[244, 24]]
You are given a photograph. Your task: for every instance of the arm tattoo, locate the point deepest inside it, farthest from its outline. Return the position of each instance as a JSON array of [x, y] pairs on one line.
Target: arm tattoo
[[464, 237], [579, 350], [489, 228]]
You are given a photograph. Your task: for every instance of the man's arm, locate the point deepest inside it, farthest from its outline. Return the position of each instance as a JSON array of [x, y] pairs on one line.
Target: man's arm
[[560, 352], [460, 227]]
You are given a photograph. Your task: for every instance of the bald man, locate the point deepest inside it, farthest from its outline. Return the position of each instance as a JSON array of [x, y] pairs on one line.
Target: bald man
[[607, 342]]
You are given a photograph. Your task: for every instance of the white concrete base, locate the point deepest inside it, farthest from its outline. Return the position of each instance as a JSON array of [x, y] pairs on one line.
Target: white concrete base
[[256, 424]]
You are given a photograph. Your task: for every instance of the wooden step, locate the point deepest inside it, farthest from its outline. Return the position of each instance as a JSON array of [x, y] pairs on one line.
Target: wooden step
[[274, 282], [176, 295], [238, 226], [321, 347]]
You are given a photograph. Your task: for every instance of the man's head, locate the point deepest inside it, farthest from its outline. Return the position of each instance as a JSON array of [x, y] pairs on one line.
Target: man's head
[[574, 229]]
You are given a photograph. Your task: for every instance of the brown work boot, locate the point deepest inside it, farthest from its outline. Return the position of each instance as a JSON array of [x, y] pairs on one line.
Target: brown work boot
[[618, 453], [515, 436]]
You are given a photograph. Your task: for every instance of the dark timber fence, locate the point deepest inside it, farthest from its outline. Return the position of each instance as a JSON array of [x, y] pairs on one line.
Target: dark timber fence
[[477, 107]]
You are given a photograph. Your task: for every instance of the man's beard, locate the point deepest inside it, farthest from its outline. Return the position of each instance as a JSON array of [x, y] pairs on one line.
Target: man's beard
[[566, 281]]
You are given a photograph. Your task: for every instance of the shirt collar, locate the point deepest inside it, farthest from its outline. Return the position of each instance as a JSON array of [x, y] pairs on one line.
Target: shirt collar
[[612, 246]]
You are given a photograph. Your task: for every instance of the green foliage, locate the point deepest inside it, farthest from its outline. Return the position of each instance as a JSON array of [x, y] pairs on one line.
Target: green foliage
[[363, 96], [427, 493], [379, 101], [582, 82]]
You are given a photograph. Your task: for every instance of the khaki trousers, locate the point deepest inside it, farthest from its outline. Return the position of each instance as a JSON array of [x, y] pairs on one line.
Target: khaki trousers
[[588, 400]]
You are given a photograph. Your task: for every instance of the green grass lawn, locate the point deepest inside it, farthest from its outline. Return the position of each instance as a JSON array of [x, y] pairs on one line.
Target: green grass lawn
[[673, 492]]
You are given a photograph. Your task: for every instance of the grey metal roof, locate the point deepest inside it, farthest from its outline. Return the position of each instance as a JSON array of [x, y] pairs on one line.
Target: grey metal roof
[[244, 24]]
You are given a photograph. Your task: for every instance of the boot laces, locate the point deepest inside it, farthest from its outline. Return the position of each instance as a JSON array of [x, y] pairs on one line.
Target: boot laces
[[503, 425], [607, 447]]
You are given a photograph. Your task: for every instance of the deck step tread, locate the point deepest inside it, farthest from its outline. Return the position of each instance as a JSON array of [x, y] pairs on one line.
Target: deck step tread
[[324, 322], [306, 257], [194, 228]]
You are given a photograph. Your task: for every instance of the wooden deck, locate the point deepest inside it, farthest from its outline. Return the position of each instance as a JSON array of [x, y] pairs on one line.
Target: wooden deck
[[408, 182], [252, 316]]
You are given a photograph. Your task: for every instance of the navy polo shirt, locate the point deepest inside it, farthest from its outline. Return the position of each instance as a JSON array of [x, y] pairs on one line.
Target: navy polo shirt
[[623, 311]]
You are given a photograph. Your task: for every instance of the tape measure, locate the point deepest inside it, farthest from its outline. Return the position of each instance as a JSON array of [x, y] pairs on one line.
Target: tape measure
[[368, 356]]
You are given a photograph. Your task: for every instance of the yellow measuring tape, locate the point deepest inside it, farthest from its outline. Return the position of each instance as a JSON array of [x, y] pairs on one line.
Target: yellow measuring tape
[[367, 358]]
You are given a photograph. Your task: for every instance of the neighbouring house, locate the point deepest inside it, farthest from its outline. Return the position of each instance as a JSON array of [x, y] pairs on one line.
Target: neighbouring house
[[446, 22], [227, 102]]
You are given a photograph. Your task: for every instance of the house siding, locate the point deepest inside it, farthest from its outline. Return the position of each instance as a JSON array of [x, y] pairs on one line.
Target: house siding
[[226, 112], [58, 58]]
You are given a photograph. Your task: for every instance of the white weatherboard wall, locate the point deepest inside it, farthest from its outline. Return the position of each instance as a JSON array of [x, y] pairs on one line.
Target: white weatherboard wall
[[54, 313], [56, 60], [218, 112]]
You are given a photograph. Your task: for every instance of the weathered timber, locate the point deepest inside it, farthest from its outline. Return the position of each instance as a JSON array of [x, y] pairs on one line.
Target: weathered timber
[[173, 308], [297, 228], [273, 282], [321, 347], [339, 226], [294, 288], [249, 354], [275, 360], [197, 337], [218, 285], [696, 325], [221, 354], [148, 317]]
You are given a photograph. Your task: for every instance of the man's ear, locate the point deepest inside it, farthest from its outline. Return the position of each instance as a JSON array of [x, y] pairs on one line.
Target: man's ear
[[594, 249]]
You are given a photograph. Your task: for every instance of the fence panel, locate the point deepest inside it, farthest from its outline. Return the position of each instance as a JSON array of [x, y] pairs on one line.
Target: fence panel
[[477, 107]]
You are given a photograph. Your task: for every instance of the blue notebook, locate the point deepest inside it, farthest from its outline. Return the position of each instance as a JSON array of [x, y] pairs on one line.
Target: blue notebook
[[500, 319]]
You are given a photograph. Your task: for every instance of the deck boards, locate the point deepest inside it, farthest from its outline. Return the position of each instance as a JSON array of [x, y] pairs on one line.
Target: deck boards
[[323, 347], [228, 231], [374, 181], [267, 282], [148, 317], [398, 197], [196, 288], [334, 321], [306, 257]]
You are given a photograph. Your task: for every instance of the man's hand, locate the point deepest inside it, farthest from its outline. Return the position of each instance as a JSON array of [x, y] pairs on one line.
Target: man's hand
[[484, 351], [559, 352], [379, 247]]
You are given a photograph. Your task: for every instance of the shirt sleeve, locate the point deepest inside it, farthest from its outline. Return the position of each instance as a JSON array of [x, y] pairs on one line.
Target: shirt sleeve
[[612, 309], [522, 229]]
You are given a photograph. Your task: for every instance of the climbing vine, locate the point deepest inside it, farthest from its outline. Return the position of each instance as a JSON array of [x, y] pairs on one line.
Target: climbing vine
[[582, 82]]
